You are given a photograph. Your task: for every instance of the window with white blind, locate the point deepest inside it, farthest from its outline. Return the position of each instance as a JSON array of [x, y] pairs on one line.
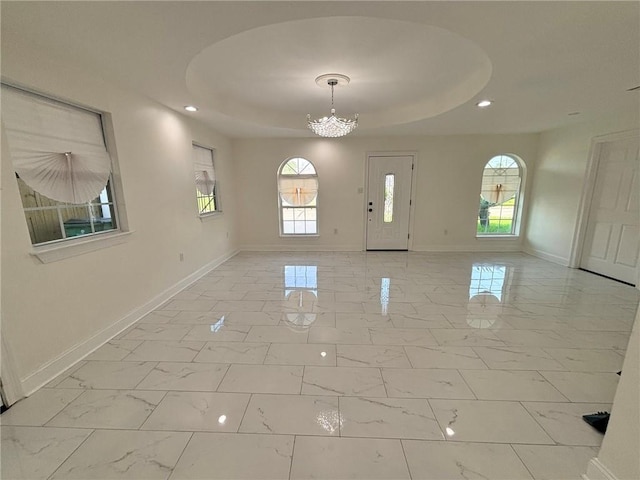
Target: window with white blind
[[206, 188], [298, 197], [501, 196], [62, 166]]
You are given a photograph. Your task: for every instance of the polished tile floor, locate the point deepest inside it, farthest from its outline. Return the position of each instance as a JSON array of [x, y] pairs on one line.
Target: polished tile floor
[[341, 365]]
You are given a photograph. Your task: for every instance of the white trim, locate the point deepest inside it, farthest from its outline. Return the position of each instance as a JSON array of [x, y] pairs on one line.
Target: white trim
[[577, 243], [485, 247], [550, 257], [211, 215], [11, 386], [300, 248], [68, 249], [596, 470], [76, 353]]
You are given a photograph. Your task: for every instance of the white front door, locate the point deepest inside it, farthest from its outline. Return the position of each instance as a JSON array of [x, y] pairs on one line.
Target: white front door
[[612, 238], [388, 202]]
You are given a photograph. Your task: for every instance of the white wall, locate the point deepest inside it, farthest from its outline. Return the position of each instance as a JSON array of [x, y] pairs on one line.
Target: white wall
[[559, 176], [448, 177], [618, 456], [48, 309]]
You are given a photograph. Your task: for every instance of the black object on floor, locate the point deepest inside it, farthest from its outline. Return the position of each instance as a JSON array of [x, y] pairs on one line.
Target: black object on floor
[[599, 420]]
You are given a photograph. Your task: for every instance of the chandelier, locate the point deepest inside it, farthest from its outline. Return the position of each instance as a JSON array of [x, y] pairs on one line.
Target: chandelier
[[332, 126]]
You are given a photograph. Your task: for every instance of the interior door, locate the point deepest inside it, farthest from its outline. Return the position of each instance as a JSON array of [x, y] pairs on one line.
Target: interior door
[[612, 238], [389, 202]]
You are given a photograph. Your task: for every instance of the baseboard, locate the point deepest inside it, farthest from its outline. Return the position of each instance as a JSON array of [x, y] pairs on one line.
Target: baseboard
[[547, 256], [475, 248], [55, 367], [597, 471], [301, 248]]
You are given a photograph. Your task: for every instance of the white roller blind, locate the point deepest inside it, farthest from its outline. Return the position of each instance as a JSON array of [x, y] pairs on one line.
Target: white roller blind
[[56, 149], [203, 166]]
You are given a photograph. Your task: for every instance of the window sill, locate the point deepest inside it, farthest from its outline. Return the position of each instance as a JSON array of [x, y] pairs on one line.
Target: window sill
[[498, 236], [289, 235], [62, 251], [208, 216]]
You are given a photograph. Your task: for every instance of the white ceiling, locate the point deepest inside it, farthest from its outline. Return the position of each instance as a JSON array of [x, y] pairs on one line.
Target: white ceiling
[[415, 67]]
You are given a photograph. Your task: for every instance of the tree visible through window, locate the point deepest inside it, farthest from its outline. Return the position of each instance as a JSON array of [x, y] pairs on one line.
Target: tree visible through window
[[297, 197], [500, 196]]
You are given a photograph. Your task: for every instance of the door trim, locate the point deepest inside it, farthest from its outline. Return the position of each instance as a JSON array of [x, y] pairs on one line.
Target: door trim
[[393, 153], [584, 207]]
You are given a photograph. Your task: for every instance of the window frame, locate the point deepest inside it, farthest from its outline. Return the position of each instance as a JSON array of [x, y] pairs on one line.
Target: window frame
[[66, 247], [281, 207], [518, 203], [216, 189]]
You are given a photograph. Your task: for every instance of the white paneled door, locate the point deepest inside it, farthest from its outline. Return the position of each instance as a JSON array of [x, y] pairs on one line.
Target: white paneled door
[[612, 239], [389, 202]]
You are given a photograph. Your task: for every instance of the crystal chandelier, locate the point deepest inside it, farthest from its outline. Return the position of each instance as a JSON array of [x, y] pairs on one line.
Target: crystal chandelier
[[332, 126]]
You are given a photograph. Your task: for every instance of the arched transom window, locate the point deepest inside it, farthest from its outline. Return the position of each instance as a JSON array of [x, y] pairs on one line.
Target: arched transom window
[[500, 196], [298, 197]]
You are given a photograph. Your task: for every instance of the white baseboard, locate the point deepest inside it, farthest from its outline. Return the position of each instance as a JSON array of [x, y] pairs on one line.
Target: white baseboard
[[499, 246], [301, 248], [76, 353], [597, 471], [547, 256]]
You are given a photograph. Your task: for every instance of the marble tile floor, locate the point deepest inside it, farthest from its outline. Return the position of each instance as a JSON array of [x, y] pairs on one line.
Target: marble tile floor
[[382, 365]]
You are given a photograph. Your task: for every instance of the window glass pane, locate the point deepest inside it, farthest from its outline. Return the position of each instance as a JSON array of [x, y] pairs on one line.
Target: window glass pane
[[44, 225], [298, 166], [287, 213], [311, 214], [287, 227], [206, 203], [49, 220], [389, 181], [310, 227], [298, 227]]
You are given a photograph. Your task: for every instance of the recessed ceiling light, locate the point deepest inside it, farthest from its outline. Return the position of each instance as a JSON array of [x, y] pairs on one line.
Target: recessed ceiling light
[[190, 108], [484, 103]]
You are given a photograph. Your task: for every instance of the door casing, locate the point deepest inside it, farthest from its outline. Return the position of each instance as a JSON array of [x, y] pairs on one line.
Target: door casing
[[414, 173]]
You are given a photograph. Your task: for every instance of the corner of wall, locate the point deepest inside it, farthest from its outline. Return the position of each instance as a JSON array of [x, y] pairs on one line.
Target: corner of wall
[[55, 367]]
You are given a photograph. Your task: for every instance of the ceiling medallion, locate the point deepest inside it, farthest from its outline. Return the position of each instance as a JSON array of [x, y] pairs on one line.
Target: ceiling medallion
[[332, 126]]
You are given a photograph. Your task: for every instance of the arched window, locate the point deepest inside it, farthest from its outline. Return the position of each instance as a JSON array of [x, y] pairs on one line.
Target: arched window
[[500, 196], [298, 197]]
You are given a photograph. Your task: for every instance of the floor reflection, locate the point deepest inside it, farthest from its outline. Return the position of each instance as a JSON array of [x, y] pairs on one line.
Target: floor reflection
[[486, 291], [301, 293], [385, 285]]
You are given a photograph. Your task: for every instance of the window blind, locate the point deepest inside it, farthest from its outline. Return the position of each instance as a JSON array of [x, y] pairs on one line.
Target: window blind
[[203, 166], [58, 150]]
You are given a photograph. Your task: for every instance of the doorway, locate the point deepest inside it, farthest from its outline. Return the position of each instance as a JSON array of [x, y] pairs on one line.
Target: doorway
[[388, 201], [612, 234]]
